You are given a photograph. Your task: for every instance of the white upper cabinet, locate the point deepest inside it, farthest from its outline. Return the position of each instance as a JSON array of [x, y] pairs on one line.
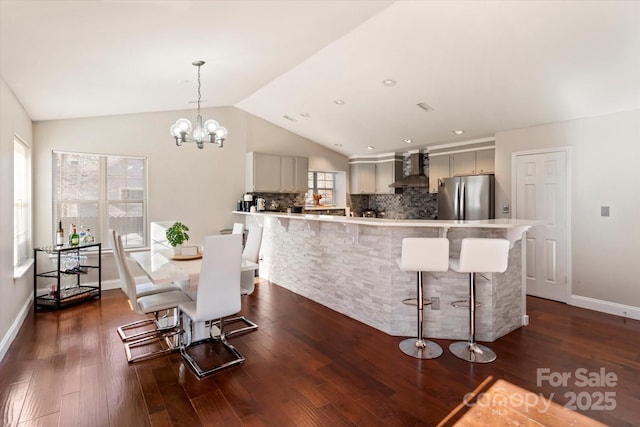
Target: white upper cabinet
[[271, 173], [387, 173], [362, 178], [485, 161], [462, 163], [438, 169], [441, 165]]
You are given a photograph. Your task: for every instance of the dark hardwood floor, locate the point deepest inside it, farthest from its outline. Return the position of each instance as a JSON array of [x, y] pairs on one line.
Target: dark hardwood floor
[[310, 366]]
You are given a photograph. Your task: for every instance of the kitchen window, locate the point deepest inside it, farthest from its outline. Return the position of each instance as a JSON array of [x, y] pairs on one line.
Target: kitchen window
[[323, 183], [97, 192], [21, 205]]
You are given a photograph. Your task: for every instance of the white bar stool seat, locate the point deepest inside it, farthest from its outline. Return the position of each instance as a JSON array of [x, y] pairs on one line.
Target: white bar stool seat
[[478, 255], [423, 254]]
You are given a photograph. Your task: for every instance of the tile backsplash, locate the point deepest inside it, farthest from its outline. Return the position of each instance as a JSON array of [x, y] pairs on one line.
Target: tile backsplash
[[413, 203]]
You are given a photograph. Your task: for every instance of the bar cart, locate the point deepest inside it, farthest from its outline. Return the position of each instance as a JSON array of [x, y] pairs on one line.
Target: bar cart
[[65, 280]]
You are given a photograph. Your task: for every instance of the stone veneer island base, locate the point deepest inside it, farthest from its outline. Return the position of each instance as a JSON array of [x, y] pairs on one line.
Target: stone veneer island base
[[349, 265]]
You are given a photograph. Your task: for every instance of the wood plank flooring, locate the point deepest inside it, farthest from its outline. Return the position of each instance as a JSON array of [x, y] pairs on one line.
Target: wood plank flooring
[[310, 366]]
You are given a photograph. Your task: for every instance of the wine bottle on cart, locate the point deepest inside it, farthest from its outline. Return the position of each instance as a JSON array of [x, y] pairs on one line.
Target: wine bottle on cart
[[60, 234], [74, 237]]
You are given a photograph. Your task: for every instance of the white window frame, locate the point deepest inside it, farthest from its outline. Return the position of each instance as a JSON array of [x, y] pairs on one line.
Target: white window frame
[[22, 208], [103, 200], [316, 190]]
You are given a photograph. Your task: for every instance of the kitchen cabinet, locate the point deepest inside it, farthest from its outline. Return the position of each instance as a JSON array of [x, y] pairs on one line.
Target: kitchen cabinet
[[438, 169], [61, 282], [271, 173], [387, 173], [362, 177], [263, 173], [485, 161], [462, 163], [294, 174]]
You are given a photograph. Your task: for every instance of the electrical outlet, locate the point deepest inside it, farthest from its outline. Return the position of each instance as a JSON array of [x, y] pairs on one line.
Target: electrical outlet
[[604, 210], [435, 303]]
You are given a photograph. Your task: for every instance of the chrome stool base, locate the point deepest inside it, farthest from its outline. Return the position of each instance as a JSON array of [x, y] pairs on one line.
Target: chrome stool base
[[428, 349], [472, 352]]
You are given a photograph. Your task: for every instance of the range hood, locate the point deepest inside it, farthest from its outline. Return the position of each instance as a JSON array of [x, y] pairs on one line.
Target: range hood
[[416, 177]]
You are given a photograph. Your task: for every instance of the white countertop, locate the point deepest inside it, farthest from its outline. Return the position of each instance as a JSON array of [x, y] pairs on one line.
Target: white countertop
[[383, 222]]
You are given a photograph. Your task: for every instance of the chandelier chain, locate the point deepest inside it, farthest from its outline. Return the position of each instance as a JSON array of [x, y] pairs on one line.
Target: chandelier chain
[[199, 95]]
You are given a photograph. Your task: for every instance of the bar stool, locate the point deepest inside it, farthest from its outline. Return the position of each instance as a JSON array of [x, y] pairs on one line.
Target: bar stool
[[423, 254], [478, 255]]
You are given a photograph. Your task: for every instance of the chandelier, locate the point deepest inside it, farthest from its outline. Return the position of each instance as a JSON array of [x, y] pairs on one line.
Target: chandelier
[[211, 131]]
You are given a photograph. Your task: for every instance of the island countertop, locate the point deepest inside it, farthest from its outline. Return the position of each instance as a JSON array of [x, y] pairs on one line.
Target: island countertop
[[386, 222]]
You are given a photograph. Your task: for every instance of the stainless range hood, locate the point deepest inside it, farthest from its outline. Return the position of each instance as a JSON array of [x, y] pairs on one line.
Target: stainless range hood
[[416, 177]]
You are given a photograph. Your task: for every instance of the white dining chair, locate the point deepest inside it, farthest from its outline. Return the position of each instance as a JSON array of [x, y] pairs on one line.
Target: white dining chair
[[142, 289], [251, 253], [164, 335], [218, 296]]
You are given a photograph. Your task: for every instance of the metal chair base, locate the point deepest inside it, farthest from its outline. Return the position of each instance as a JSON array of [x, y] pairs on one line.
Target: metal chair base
[[162, 324], [169, 339], [200, 372], [472, 352], [420, 349], [229, 320]]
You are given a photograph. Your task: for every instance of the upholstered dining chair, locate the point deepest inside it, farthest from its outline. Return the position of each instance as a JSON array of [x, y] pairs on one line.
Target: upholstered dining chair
[[142, 289], [150, 304], [218, 296]]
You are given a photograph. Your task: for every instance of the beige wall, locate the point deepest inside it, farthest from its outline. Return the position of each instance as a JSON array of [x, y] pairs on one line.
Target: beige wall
[[13, 294], [605, 152], [197, 187]]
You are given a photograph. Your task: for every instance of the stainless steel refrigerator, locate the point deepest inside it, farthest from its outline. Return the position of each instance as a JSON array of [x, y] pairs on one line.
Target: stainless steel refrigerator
[[467, 197]]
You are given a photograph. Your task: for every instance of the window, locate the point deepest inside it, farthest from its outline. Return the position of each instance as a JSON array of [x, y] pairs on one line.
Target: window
[[323, 183], [99, 192], [21, 202]]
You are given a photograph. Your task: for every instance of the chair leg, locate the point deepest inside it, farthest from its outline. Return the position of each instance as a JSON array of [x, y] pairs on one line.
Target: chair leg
[[161, 325], [221, 339], [249, 328], [419, 347], [470, 350], [168, 341]]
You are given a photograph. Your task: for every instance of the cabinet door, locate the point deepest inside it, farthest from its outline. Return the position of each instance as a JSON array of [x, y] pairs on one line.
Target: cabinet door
[[362, 178], [387, 173], [302, 175], [288, 174], [463, 163], [266, 172], [485, 161], [438, 169]]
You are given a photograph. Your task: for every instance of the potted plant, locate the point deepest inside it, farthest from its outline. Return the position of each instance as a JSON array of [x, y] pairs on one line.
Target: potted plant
[[176, 236]]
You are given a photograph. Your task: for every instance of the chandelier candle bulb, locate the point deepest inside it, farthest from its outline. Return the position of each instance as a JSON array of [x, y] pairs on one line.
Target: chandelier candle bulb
[[180, 129]]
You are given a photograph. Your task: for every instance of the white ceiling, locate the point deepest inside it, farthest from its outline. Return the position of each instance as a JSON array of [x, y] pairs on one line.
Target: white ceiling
[[483, 66]]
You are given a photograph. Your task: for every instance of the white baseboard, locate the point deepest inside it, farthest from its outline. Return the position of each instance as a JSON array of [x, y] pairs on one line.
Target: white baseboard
[[15, 327], [622, 310]]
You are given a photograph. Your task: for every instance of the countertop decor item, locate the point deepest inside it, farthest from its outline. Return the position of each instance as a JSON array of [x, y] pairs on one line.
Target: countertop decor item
[[211, 131], [316, 199]]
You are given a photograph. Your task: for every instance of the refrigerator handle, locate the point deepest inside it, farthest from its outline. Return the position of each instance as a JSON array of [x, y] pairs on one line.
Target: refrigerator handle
[[463, 213], [456, 202]]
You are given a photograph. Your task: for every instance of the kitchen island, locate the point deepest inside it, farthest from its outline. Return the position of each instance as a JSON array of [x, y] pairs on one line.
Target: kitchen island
[[349, 265]]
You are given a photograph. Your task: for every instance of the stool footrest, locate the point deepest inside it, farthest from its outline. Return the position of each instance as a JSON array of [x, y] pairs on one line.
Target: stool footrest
[[463, 303], [414, 301]]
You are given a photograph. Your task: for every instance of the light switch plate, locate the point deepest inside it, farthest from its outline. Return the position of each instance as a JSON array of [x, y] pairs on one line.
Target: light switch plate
[[604, 210]]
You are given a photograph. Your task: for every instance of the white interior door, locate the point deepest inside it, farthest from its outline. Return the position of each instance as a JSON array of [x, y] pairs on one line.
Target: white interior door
[[541, 193]]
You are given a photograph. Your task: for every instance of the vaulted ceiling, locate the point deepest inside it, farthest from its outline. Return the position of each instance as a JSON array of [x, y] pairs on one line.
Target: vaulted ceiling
[[478, 66]]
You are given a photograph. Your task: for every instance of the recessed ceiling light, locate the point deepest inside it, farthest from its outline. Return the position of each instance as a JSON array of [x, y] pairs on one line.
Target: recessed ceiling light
[[338, 101], [424, 106], [458, 131], [338, 145], [370, 147], [389, 82], [305, 114], [289, 118], [408, 140]]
